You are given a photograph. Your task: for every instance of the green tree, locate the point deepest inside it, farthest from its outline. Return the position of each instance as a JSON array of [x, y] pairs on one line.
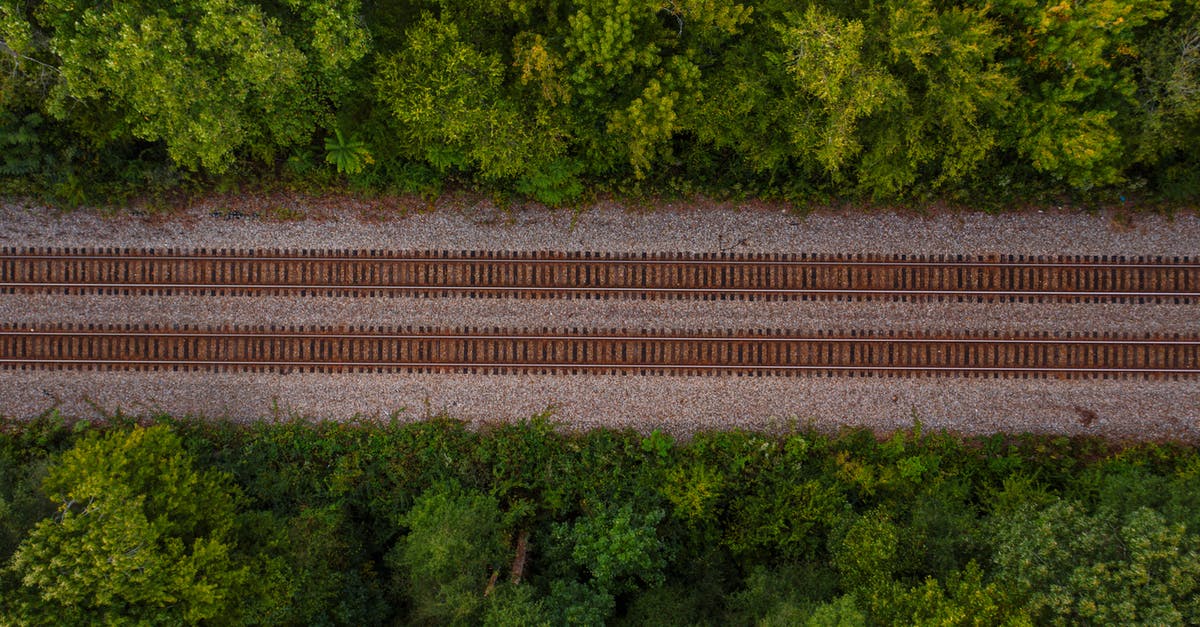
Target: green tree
[[212, 79], [616, 547], [1167, 124], [324, 576], [964, 599], [826, 60], [798, 593], [25, 456], [448, 97], [140, 535], [694, 491], [865, 555], [630, 71], [515, 605], [1078, 78], [600, 556], [749, 104], [1068, 566], [789, 520], [841, 612], [455, 543], [946, 122]]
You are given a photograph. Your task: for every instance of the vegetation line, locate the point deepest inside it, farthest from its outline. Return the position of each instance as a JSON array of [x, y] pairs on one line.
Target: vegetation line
[[376, 522], [978, 103]]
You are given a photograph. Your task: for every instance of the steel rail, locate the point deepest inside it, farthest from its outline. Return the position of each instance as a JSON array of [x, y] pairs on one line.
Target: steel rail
[[593, 351], [613, 366], [617, 259], [232, 287], [699, 337], [575, 275]]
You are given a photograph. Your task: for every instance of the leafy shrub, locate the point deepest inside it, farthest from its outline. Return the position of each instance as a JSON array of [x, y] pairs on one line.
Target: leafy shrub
[[350, 156], [554, 184]]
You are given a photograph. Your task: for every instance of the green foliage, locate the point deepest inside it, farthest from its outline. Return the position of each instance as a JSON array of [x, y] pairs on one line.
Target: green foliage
[[291, 522], [439, 87], [651, 119], [211, 79], [964, 599], [788, 519], [349, 156], [20, 144], [825, 61], [942, 530], [573, 603], [454, 544], [24, 460], [1066, 565], [842, 612], [1077, 80], [447, 98], [984, 102], [667, 605], [523, 459], [139, 534], [694, 491], [555, 184], [956, 96], [617, 548], [865, 555], [515, 605], [322, 568], [791, 594]]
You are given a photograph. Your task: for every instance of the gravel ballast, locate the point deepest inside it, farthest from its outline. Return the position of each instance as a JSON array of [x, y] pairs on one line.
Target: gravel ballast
[[1126, 409], [540, 313], [1123, 408], [613, 229]]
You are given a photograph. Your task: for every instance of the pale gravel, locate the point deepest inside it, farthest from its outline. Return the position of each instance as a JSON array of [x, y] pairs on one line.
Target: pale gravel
[[617, 230], [738, 315], [1125, 408]]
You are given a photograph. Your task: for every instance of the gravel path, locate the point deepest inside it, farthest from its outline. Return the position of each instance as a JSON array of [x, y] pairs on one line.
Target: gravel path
[[1129, 408], [1125, 409], [618, 230], [437, 312]]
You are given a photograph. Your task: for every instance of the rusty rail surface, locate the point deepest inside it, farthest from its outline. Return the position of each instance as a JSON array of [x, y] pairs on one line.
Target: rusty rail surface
[[596, 351], [599, 275]]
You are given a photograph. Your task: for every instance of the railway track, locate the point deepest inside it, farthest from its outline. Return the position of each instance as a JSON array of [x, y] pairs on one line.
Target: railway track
[[598, 275], [594, 351]]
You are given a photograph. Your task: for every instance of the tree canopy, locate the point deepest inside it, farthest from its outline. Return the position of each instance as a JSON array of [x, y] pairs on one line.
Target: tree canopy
[[438, 523], [885, 100], [140, 534]]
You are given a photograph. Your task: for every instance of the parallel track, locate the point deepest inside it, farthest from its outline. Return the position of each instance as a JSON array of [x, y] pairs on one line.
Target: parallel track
[[594, 351], [597, 275]]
